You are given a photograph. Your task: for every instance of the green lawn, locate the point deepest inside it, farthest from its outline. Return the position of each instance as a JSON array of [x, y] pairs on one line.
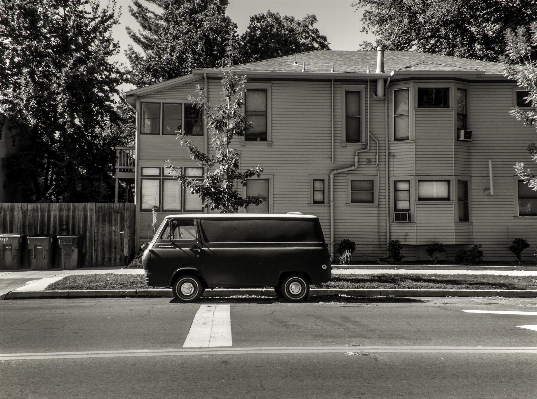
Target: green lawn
[[376, 281]]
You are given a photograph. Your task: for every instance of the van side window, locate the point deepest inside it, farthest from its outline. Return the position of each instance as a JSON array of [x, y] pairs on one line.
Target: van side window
[[180, 230]]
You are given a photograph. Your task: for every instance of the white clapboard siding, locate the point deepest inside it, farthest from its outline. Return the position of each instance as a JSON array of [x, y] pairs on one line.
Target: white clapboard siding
[[434, 141], [402, 158], [435, 222]]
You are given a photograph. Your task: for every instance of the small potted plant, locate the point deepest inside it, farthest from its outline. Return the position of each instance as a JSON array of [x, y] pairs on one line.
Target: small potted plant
[[345, 251]]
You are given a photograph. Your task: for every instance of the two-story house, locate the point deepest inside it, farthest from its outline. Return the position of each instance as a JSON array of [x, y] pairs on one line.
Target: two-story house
[[381, 146]]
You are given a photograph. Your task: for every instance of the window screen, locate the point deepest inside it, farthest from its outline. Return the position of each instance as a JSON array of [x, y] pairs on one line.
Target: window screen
[[171, 195], [150, 193], [430, 97], [362, 191], [193, 120], [256, 114], [172, 118]]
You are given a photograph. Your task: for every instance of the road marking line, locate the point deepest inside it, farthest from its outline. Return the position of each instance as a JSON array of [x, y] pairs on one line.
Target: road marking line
[[508, 312], [211, 327], [534, 328], [267, 350]]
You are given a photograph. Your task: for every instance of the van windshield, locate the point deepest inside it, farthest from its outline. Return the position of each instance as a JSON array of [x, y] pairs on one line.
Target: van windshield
[[267, 230], [180, 230]]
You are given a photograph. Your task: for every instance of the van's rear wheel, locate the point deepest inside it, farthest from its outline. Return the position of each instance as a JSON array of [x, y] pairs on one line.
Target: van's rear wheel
[[294, 288], [187, 288]]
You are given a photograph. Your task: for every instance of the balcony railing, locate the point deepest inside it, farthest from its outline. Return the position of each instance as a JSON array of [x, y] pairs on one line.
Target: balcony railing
[[125, 161]]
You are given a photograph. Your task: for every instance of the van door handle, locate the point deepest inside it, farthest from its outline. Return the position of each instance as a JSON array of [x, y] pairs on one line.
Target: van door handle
[[196, 250]]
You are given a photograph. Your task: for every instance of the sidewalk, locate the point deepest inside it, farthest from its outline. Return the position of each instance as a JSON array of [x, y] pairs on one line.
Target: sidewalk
[[26, 284]]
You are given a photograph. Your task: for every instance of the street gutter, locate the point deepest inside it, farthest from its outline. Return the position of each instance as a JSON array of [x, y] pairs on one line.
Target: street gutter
[[314, 292]]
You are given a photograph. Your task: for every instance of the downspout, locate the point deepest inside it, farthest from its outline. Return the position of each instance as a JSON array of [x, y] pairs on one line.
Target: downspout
[[332, 174], [205, 91], [332, 121], [387, 175]]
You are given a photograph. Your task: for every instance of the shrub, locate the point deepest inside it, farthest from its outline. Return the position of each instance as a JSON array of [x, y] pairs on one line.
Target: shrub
[[345, 251], [394, 249], [472, 256], [518, 245], [435, 248]]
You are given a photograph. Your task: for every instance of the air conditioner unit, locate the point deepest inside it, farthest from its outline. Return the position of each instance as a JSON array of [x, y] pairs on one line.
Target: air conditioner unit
[[464, 135], [401, 216]]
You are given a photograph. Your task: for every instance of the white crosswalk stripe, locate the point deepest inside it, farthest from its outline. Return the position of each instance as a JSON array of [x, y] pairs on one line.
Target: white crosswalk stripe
[[211, 328]]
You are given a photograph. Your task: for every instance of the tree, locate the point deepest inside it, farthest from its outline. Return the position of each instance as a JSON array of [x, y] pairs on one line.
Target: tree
[[182, 35], [225, 121], [463, 28], [59, 94], [521, 65], [271, 35]]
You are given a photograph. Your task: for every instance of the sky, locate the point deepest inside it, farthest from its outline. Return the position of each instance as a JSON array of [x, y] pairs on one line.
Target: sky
[[337, 20]]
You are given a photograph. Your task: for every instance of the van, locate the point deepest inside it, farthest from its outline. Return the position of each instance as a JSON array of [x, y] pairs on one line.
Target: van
[[192, 252]]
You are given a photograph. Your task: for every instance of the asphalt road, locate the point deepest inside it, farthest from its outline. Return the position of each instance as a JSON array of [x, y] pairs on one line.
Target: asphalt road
[[265, 348]]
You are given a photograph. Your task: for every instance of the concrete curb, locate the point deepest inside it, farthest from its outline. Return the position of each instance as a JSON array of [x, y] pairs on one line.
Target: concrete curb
[[315, 292]]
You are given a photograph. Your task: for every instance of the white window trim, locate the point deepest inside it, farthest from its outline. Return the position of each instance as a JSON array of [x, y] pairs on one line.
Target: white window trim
[[363, 178], [411, 108], [325, 179], [452, 181], [163, 175], [268, 88], [362, 90], [412, 190]]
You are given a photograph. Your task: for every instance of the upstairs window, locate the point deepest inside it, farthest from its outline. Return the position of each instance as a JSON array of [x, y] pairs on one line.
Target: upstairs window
[[461, 109], [521, 99], [353, 116], [171, 118], [433, 97], [256, 114], [527, 200], [429, 190], [401, 120]]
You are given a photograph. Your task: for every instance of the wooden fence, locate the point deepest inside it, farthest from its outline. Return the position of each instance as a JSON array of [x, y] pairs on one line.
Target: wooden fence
[[107, 230]]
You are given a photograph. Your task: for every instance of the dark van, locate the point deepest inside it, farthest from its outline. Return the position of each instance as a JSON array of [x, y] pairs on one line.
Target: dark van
[[193, 252]]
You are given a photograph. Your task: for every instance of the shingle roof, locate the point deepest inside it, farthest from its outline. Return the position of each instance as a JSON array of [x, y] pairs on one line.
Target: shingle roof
[[360, 61]]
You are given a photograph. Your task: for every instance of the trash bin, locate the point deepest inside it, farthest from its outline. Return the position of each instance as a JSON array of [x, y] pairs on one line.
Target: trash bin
[[11, 251], [41, 252], [69, 250]]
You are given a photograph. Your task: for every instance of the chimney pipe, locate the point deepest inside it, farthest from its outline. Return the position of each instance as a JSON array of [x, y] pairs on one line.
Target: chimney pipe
[[380, 69], [380, 59]]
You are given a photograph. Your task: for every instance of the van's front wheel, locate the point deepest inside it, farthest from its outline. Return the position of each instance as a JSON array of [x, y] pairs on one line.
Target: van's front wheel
[[294, 288], [187, 288]]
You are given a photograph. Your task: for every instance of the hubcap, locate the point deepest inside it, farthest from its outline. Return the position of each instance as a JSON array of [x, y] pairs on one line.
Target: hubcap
[[295, 288], [187, 288]]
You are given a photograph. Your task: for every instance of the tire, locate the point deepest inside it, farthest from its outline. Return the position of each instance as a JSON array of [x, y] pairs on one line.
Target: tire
[[187, 288], [294, 288]]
